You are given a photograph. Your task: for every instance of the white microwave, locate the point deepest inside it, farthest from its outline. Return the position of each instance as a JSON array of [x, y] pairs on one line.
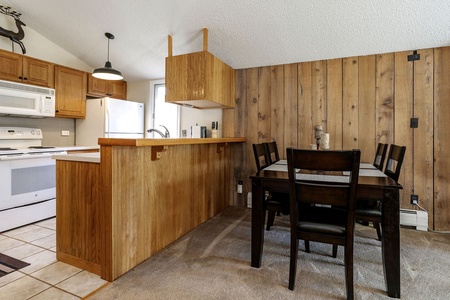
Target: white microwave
[[26, 100]]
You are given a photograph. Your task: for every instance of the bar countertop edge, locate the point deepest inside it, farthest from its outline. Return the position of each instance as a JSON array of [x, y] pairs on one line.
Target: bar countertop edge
[[166, 142]]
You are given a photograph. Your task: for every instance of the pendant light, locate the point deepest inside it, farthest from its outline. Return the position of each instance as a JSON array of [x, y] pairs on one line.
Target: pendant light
[[107, 72]]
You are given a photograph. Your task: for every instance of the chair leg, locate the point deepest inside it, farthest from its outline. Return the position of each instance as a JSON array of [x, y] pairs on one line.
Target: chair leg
[[349, 270], [270, 219], [293, 262], [335, 248], [377, 227], [307, 246]]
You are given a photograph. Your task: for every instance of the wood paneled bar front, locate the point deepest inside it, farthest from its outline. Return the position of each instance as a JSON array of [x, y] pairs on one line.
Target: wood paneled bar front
[[143, 194]]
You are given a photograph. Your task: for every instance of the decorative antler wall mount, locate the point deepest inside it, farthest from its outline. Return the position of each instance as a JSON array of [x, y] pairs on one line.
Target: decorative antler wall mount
[[15, 37]]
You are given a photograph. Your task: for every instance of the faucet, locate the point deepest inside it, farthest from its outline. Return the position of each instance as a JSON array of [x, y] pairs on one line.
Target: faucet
[[164, 135]]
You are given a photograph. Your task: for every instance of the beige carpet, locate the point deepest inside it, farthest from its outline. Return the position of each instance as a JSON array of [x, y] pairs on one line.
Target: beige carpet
[[213, 262]]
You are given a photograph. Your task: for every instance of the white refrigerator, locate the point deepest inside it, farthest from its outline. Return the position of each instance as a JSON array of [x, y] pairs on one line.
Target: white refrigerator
[[110, 118]]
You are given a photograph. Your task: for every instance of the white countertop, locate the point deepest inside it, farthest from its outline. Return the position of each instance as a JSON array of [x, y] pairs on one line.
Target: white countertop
[[92, 157]]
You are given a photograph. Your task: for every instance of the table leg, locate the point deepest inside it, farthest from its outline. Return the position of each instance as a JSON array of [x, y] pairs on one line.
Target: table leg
[[258, 216], [391, 241]]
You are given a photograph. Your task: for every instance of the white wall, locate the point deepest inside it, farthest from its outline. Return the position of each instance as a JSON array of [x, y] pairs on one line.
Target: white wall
[[38, 46], [139, 91], [203, 117]]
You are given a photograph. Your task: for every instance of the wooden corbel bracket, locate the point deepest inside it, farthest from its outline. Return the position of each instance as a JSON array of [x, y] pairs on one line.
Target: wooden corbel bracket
[[220, 147], [157, 151]]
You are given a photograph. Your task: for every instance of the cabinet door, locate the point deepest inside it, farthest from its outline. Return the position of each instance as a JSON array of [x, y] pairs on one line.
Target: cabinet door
[[118, 89], [97, 87], [38, 72], [70, 86], [10, 66]]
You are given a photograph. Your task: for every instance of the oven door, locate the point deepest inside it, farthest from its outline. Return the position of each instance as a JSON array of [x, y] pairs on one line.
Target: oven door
[[26, 181]]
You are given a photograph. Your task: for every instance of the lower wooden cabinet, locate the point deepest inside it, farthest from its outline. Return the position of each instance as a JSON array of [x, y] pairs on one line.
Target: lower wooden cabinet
[[106, 88], [70, 86]]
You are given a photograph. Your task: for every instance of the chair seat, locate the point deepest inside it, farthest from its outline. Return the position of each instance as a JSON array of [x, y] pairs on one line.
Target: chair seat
[[322, 228], [369, 212]]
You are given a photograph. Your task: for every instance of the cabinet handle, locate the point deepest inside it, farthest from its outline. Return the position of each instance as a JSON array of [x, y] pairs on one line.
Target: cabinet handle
[[25, 78], [57, 110], [108, 94], [20, 77]]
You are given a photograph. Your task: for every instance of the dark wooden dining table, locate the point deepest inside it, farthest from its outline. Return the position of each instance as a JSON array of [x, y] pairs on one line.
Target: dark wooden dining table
[[369, 187]]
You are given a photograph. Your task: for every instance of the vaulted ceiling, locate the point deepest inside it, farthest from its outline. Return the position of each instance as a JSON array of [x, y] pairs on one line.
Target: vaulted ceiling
[[243, 33]]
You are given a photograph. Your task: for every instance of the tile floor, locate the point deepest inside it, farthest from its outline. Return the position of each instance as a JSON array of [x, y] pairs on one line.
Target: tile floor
[[45, 277]]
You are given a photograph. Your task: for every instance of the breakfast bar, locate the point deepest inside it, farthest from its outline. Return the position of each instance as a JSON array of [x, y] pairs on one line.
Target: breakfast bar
[[137, 196]]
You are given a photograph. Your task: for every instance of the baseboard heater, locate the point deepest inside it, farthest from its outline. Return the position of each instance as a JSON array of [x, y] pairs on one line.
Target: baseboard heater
[[414, 218]]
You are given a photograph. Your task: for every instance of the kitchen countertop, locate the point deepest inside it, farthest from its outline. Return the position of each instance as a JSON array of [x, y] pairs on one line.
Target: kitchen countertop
[[167, 142], [93, 157]]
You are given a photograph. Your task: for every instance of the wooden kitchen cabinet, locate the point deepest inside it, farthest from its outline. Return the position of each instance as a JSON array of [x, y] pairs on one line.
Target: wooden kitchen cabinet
[[70, 86], [200, 80], [24, 69], [106, 88]]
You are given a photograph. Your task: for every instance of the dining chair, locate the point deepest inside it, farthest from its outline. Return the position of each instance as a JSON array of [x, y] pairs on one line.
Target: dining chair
[[274, 202], [333, 221], [380, 156], [272, 151], [366, 211], [368, 207]]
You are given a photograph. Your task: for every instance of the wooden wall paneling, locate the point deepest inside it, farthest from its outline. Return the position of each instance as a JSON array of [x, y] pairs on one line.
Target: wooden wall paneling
[[366, 94], [385, 97], [334, 103], [106, 214], [241, 172], [441, 205], [350, 107], [319, 94], [277, 108], [290, 106], [252, 134], [423, 136], [264, 104], [305, 106], [402, 114]]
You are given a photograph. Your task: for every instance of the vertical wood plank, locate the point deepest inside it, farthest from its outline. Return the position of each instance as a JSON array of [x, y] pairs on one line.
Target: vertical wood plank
[[277, 108], [385, 97], [334, 103], [350, 108], [305, 119], [366, 114], [423, 136], [264, 104], [240, 166], [441, 139], [402, 114], [290, 106], [319, 93]]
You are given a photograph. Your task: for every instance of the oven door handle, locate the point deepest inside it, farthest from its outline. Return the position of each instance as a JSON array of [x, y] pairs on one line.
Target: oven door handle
[[31, 156]]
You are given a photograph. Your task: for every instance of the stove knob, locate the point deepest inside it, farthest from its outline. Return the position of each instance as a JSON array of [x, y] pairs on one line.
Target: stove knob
[[38, 132], [32, 132]]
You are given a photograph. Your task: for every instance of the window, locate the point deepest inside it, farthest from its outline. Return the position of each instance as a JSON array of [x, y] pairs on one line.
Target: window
[[165, 114]]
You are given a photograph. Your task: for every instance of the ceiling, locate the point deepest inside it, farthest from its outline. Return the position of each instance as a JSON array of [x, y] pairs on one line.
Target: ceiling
[[243, 34]]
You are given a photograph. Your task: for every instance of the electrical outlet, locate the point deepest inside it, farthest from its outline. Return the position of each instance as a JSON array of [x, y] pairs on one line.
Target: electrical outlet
[[239, 187], [65, 132], [414, 199], [414, 123], [184, 133]]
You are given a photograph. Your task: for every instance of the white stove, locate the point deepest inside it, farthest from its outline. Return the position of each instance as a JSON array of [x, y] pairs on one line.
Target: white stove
[[28, 177]]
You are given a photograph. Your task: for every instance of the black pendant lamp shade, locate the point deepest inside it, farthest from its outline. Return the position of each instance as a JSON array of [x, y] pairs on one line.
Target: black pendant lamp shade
[[107, 72]]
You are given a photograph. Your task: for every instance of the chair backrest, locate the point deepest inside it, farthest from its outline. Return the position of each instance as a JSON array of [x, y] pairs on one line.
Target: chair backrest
[[380, 156], [261, 158], [272, 152], [304, 190], [395, 161]]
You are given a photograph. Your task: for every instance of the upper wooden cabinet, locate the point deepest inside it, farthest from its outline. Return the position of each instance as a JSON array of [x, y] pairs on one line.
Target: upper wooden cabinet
[[70, 86], [106, 88], [24, 69], [199, 80]]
